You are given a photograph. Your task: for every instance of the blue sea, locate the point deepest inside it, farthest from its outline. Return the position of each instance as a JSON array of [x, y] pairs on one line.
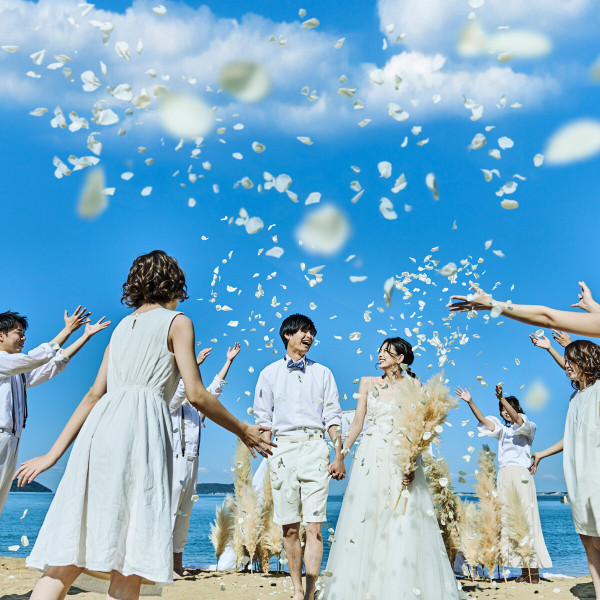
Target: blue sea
[[563, 543]]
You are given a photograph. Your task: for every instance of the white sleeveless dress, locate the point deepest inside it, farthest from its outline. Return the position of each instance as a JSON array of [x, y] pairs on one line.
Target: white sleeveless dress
[[378, 553], [112, 509]]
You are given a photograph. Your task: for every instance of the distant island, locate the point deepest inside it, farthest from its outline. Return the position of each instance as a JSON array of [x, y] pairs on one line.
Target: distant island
[[214, 488], [34, 486]]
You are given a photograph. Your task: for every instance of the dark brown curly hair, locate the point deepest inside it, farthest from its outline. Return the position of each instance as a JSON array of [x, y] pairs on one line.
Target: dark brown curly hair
[[154, 278], [585, 355]]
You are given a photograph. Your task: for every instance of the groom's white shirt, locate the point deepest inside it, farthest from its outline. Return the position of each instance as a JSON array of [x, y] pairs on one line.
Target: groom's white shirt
[[291, 401]]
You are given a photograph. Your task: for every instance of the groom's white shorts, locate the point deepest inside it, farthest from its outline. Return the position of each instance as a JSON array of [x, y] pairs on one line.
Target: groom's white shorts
[[300, 479]]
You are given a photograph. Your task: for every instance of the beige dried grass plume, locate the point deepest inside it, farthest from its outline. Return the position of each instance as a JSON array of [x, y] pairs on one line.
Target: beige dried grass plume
[[271, 536], [517, 528], [220, 529], [250, 526], [468, 527]]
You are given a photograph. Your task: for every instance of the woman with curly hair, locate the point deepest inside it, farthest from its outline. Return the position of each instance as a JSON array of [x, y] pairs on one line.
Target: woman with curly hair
[[581, 447], [110, 523]]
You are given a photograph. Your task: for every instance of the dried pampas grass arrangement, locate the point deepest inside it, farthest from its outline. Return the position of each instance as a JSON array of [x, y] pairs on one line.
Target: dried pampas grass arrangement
[[241, 468], [271, 534], [249, 516], [517, 528], [489, 511], [468, 527], [220, 530], [445, 502], [420, 414]]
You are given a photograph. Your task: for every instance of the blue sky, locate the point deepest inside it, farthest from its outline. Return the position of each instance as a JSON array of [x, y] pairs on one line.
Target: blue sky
[[55, 260]]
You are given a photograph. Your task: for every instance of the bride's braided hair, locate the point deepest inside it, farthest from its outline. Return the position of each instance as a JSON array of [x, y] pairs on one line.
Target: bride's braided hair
[[397, 346]]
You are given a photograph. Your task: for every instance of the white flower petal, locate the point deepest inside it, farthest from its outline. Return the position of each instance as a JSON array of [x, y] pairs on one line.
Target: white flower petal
[[159, 11], [505, 142], [400, 184], [313, 198], [386, 208], [449, 270], [254, 225], [354, 336], [275, 252], [376, 76], [90, 81], [105, 116], [92, 199], [305, 140], [38, 57], [38, 112], [147, 190], [282, 182], [388, 290], [246, 80], [477, 142], [10, 49], [395, 112], [431, 183], [24, 541], [510, 187], [127, 175], [385, 169], [122, 92], [495, 153], [357, 278], [14, 548], [443, 481], [122, 49], [258, 147], [538, 160], [311, 23], [339, 43], [509, 204], [185, 116], [575, 141]]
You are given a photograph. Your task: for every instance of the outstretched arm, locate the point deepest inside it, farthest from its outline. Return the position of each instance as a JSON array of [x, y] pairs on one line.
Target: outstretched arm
[[514, 415], [89, 332], [537, 456], [181, 338], [231, 354], [579, 323], [359, 416], [465, 395], [586, 300], [30, 469], [72, 323], [542, 341]]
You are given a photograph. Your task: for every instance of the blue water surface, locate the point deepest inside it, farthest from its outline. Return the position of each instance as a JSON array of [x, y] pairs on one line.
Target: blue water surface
[[563, 543]]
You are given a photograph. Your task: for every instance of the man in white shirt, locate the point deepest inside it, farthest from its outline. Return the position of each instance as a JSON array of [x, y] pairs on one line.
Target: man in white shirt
[[298, 400], [187, 423], [20, 371]]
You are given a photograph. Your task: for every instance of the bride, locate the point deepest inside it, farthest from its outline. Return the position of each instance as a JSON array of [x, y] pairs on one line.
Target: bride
[[380, 553]]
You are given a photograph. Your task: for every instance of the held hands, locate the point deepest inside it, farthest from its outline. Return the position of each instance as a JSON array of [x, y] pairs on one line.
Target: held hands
[[564, 339], [540, 341], [77, 319], [408, 479], [337, 469], [251, 436], [31, 468], [203, 355], [463, 394], [586, 300], [478, 300], [233, 352], [91, 330], [535, 461]]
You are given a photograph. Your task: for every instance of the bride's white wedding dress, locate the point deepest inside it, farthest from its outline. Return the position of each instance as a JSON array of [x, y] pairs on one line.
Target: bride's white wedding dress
[[378, 553]]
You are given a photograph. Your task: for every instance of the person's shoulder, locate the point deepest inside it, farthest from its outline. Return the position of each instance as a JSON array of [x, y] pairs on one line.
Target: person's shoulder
[[272, 367], [313, 364]]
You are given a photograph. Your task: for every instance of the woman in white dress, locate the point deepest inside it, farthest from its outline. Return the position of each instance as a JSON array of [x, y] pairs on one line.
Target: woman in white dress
[[380, 553], [110, 523], [515, 437], [581, 447]]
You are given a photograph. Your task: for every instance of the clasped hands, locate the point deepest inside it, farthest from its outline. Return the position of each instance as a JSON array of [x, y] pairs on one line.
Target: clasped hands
[[337, 469]]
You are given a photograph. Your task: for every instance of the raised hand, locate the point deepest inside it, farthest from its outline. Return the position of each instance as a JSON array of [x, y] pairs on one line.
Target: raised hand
[[478, 300], [91, 330], [498, 391], [586, 300], [463, 394], [541, 341], [233, 352], [31, 468], [77, 319], [564, 339], [203, 355]]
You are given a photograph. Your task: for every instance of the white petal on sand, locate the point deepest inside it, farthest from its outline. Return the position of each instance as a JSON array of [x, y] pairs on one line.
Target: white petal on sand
[[395, 112], [254, 225], [275, 252], [388, 290], [509, 204], [38, 112], [38, 57], [305, 140], [386, 208], [282, 182], [537, 395], [313, 198], [505, 142], [159, 11], [577, 140], [357, 278], [258, 147], [92, 200], [10, 49], [376, 76], [324, 231], [431, 183], [400, 184], [477, 142], [385, 169], [311, 23], [354, 336], [538, 160], [339, 43], [246, 80], [185, 116], [90, 81], [122, 49], [448, 270]]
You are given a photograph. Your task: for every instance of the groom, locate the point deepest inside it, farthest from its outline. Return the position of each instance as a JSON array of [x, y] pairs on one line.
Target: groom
[[297, 399]]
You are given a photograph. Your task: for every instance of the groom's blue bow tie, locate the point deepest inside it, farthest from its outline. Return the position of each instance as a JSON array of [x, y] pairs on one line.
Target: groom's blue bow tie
[[297, 366]]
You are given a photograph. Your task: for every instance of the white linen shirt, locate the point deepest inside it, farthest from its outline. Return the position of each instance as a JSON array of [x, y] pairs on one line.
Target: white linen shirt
[[514, 441], [183, 414], [290, 401], [39, 365]]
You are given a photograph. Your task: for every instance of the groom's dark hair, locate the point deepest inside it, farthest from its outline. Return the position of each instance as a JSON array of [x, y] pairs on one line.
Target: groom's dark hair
[[295, 323]]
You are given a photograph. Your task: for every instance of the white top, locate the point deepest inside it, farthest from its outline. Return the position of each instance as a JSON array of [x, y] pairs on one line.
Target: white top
[[291, 401], [188, 420], [514, 441], [38, 366]]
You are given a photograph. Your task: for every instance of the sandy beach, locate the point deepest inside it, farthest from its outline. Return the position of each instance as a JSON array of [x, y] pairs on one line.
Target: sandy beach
[[16, 583]]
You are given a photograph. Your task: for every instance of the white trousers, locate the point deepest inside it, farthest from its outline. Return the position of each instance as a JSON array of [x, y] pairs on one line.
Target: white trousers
[[185, 476], [9, 449]]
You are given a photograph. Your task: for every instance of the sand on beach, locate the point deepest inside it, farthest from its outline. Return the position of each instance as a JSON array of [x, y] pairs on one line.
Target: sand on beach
[[16, 583]]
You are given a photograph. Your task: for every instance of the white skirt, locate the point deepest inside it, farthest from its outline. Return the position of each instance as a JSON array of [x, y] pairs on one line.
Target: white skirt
[[522, 479]]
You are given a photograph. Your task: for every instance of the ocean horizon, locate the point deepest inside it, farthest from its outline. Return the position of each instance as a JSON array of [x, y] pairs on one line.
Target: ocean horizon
[[564, 545]]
